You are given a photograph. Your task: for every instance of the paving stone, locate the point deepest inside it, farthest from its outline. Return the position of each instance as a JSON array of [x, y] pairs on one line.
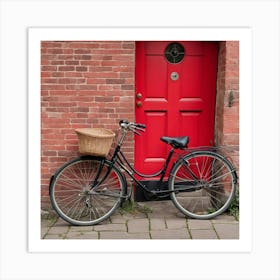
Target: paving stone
[[140, 215], [54, 236], [199, 224], [118, 219], [58, 230], [123, 235], [80, 228], [203, 234], [74, 235], [133, 216], [82, 235], [176, 223], [139, 235], [224, 219], [170, 234], [105, 222], [165, 222], [138, 225], [166, 214], [44, 231], [227, 231], [180, 215], [61, 222], [157, 224], [161, 209], [47, 222], [110, 227]]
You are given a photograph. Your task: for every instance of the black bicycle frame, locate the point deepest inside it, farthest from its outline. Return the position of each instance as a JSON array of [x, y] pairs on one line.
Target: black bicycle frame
[[120, 159]]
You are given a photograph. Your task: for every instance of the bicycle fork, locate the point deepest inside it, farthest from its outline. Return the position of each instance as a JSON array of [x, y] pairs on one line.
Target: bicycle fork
[[98, 181]]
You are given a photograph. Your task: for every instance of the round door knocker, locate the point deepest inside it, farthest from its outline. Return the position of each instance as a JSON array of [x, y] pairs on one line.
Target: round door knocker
[[174, 76]]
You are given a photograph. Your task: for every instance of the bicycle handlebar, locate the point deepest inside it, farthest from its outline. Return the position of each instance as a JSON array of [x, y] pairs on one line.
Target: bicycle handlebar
[[140, 125], [132, 126]]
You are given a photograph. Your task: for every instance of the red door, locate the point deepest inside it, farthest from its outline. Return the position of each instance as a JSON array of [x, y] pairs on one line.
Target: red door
[[175, 96]]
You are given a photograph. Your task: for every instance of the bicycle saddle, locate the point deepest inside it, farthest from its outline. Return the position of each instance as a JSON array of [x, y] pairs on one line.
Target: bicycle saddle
[[176, 142]]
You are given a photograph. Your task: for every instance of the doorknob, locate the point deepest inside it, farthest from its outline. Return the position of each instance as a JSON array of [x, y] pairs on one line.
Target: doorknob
[[138, 104], [138, 95]]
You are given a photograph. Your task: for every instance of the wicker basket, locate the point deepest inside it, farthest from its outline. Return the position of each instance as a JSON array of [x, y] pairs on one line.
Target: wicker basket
[[95, 141]]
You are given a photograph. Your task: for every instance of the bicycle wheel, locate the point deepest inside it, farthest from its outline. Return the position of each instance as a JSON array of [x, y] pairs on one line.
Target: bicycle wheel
[[86, 190], [203, 184]]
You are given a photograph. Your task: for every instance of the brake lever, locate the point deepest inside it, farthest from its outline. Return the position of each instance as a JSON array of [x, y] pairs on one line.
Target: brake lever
[[135, 127], [141, 129], [135, 131]]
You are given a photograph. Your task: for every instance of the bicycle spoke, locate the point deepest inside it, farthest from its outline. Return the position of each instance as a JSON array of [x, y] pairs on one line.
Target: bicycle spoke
[[73, 207], [75, 202], [206, 182]]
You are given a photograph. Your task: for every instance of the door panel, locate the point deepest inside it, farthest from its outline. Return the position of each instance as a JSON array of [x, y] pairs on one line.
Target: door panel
[[192, 119], [155, 69], [153, 150], [192, 77], [156, 122], [176, 99]]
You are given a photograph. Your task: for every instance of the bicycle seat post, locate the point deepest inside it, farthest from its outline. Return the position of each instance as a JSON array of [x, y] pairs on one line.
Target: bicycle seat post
[[171, 152]]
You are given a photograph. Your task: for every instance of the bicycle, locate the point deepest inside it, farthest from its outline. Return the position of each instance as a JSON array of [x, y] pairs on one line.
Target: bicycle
[[88, 189]]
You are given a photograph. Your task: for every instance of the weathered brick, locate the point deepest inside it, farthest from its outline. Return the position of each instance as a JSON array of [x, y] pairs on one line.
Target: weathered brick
[[227, 100], [78, 91], [81, 68], [115, 81]]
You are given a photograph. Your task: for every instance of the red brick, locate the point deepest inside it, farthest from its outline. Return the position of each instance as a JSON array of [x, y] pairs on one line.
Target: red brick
[[51, 45], [57, 62], [80, 45], [115, 81], [66, 68], [48, 81], [70, 62], [74, 74], [82, 57], [58, 74], [81, 68], [48, 68], [83, 51], [55, 51], [128, 45]]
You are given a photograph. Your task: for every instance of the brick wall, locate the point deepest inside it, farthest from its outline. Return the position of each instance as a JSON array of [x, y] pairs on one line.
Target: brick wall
[[227, 101], [83, 84], [91, 84]]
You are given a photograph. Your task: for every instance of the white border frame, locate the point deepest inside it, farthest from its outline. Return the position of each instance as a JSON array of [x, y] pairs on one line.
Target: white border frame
[[262, 16], [243, 35]]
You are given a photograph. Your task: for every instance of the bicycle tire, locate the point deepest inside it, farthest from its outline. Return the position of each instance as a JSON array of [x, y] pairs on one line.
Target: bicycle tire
[[203, 184], [73, 197]]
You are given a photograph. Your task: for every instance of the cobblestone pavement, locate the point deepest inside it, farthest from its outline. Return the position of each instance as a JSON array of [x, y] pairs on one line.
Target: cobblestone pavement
[[158, 220]]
